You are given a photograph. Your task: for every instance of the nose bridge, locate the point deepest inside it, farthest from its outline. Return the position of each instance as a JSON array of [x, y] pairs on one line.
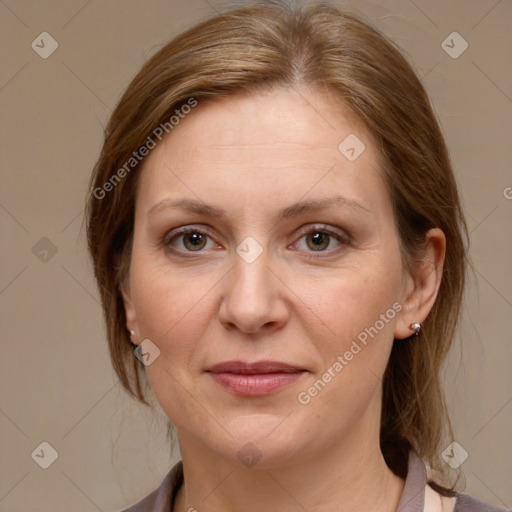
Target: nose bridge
[[252, 271], [251, 284], [252, 298]]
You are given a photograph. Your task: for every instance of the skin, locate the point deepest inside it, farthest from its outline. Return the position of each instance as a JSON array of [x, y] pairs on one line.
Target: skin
[[253, 156]]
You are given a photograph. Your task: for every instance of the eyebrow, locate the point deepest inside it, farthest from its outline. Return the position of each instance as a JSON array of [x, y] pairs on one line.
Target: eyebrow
[[295, 210]]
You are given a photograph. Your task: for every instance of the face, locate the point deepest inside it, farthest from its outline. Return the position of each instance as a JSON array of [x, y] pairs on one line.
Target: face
[[257, 240]]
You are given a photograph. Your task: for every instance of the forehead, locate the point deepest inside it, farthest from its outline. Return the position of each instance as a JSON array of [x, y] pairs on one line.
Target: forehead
[[285, 139]]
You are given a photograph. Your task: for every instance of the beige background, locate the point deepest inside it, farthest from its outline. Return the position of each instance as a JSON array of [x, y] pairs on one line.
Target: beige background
[[56, 382]]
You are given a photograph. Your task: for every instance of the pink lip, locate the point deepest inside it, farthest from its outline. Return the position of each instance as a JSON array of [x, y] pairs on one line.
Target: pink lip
[[254, 379]]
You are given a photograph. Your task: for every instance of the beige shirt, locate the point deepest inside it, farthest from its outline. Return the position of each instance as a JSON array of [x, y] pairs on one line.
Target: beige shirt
[[417, 495]]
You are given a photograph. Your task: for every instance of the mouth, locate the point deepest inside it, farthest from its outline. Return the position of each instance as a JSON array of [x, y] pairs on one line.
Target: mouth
[[254, 379]]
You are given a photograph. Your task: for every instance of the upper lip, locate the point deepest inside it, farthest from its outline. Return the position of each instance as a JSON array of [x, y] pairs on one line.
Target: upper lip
[[258, 367]]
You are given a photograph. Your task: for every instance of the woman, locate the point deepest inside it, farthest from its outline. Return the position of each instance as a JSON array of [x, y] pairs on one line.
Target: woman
[[280, 249]]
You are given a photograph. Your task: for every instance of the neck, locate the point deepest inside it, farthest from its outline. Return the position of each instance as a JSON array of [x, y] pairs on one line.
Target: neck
[[353, 474]]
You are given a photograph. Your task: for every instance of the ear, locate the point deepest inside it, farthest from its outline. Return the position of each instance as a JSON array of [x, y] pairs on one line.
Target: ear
[[131, 317], [422, 285]]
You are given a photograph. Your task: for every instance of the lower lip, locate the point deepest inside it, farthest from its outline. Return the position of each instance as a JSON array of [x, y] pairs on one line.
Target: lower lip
[[256, 384]]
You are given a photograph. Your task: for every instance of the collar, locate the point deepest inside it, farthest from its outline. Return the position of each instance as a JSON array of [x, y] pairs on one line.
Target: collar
[[417, 495], [413, 494]]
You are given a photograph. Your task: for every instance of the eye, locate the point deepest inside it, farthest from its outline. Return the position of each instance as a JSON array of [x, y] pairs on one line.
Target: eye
[[318, 238], [321, 238], [188, 239]]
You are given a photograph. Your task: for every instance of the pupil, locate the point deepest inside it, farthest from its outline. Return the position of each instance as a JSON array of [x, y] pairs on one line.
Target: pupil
[[319, 239], [195, 238]]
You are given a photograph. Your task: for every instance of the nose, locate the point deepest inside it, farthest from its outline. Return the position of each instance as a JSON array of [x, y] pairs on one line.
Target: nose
[[254, 297]]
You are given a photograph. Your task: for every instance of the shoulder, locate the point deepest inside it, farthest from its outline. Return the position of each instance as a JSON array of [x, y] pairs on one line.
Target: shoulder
[[162, 497], [467, 503]]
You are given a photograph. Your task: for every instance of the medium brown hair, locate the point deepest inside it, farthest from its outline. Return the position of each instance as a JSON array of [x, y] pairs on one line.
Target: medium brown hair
[[268, 45]]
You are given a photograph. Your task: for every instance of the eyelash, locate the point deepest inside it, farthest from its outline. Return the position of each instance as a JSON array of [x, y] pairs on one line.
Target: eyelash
[[344, 240]]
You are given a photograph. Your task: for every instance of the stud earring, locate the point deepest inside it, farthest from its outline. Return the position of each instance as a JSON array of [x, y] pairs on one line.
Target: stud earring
[[416, 327]]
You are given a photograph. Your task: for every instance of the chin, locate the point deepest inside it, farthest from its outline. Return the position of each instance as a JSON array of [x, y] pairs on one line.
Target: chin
[[265, 454], [262, 441]]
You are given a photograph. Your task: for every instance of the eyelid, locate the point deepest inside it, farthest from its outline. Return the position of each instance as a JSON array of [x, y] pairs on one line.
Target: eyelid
[[311, 228], [176, 233], [186, 229]]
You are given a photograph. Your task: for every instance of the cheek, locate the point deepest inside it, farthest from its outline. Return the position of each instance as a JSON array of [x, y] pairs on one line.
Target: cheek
[[352, 328], [173, 312], [347, 305], [166, 299]]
